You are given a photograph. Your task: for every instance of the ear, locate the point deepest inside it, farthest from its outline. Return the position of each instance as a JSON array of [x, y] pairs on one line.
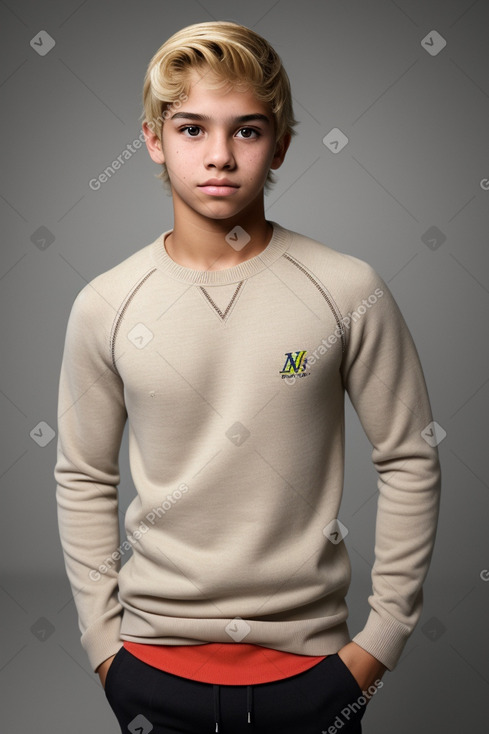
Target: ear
[[153, 144], [280, 150]]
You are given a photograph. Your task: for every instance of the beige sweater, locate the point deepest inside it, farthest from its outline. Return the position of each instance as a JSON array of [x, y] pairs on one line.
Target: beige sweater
[[232, 382]]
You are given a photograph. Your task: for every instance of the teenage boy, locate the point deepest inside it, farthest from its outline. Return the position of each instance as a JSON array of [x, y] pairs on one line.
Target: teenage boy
[[228, 343]]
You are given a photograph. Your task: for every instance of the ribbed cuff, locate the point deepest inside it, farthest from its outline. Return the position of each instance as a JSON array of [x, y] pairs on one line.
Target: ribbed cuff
[[102, 639], [384, 638]]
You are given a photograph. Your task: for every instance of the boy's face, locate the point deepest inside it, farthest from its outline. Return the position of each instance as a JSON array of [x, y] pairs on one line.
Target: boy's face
[[218, 147]]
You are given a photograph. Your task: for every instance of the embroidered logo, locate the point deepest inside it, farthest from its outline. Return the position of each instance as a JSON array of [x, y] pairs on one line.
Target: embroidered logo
[[295, 365]]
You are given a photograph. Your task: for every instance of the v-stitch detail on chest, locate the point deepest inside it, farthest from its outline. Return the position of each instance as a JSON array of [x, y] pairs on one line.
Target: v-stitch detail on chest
[[222, 314]]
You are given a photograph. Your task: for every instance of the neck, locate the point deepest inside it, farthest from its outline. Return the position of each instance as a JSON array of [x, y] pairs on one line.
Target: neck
[[199, 243]]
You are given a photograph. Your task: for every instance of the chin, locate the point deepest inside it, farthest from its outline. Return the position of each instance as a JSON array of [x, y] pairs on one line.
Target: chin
[[214, 211]]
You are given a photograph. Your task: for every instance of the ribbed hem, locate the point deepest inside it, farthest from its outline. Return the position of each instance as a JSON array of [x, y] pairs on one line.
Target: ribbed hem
[[278, 244], [319, 635], [384, 638]]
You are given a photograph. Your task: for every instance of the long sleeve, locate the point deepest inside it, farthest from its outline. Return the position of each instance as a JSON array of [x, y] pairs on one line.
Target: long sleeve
[[236, 466], [91, 419], [386, 385]]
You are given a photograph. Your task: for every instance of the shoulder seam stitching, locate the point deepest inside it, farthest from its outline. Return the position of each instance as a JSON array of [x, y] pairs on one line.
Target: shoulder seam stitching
[[120, 313], [325, 294]]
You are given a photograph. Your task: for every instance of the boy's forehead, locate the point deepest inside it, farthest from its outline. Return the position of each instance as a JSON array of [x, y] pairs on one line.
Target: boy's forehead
[[206, 91]]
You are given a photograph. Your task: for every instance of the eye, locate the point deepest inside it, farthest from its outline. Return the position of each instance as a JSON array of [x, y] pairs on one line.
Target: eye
[[249, 133], [192, 130]]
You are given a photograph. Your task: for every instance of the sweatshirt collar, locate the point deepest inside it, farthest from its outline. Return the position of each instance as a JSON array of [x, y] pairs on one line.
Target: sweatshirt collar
[[277, 245]]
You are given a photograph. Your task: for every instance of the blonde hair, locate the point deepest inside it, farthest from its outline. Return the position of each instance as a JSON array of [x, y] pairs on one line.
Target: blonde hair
[[235, 55]]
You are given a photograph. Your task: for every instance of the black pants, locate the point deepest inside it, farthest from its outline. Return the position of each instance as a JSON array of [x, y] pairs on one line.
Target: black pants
[[325, 699]]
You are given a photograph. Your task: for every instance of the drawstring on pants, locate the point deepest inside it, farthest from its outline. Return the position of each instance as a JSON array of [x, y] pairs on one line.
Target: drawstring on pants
[[217, 706], [217, 710]]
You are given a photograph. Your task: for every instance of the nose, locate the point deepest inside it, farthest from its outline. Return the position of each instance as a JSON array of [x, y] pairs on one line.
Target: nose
[[218, 151]]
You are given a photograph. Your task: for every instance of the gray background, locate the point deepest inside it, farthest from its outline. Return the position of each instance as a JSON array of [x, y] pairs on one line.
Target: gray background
[[417, 158]]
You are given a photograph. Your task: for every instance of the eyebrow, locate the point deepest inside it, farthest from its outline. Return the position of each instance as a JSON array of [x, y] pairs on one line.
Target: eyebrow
[[243, 118]]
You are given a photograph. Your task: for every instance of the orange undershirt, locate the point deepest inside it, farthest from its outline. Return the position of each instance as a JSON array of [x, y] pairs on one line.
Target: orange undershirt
[[229, 663]]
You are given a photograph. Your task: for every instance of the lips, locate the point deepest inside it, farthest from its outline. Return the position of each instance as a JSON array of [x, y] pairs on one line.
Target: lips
[[219, 187], [219, 182]]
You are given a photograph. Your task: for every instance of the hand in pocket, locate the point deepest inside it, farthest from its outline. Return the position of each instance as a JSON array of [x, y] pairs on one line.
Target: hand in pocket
[[103, 669], [363, 666]]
